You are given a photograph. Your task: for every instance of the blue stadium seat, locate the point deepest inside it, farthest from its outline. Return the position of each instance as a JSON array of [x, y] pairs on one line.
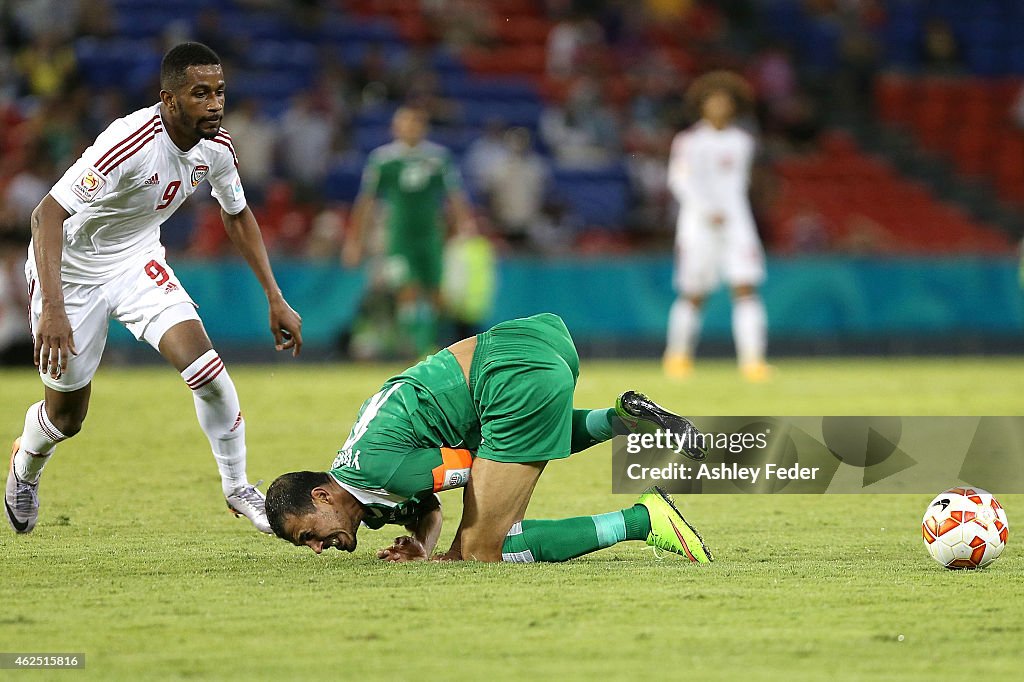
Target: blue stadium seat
[[149, 24], [342, 30], [258, 26], [457, 139], [447, 63], [519, 113], [377, 116], [108, 63], [342, 181], [269, 85], [495, 88], [987, 61], [366, 138], [598, 196], [273, 54]]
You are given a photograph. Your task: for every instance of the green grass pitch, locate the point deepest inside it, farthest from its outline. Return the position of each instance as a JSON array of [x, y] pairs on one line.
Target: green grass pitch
[[137, 563]]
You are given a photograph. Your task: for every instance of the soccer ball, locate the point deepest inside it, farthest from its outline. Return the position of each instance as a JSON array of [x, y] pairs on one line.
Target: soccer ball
[[965, 528]]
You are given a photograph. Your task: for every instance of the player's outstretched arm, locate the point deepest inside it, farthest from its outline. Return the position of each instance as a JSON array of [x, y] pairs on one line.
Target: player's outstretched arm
[[285, 323], [53, 343]]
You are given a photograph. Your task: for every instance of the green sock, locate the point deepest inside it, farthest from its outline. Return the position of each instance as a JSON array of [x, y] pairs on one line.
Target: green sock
[[564, 539], [425, 329], [407, 328], [590, 427]]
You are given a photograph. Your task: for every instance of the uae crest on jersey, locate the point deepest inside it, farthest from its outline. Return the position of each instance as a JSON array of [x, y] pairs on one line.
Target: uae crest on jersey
[[198, 173]]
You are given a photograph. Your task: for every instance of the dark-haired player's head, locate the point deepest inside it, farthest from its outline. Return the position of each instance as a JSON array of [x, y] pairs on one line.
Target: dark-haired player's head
[[309, 508], [410, 124], [719, 96], [192, 92]]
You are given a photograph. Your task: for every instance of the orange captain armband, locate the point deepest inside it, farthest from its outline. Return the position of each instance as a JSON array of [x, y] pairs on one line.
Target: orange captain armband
[[453, 471]]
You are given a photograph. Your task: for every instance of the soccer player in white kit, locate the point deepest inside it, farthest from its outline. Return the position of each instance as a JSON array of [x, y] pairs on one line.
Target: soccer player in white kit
[[96, 254], [716, 239]]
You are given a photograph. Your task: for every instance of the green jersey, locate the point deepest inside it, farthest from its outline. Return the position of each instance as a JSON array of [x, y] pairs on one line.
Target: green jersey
[[413, 182], [413, 438], [420, 433]]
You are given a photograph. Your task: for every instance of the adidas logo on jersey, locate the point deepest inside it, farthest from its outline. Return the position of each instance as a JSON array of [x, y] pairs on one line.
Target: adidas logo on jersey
[[155, 180]]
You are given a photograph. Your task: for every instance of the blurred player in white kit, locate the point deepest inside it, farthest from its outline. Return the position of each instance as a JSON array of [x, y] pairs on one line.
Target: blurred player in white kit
[[716, 239], [96, 255]]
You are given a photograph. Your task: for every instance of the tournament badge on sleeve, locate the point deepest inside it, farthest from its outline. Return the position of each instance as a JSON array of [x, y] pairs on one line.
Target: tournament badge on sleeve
[[88, 185]]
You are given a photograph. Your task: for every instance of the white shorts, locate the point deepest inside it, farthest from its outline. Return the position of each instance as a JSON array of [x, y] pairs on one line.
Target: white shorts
[[145, 297], [706, 255]]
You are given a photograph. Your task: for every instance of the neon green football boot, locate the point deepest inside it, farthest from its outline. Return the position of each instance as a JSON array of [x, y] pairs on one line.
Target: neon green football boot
[[670, 531]]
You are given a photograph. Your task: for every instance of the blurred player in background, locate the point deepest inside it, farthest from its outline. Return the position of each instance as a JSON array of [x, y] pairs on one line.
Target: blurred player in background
[[499, 405], [96, 254], [413, 177], [709, 174]]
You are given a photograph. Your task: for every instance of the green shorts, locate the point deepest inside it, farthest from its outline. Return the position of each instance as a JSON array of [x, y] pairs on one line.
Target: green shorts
[[423, 264], [522, 380]]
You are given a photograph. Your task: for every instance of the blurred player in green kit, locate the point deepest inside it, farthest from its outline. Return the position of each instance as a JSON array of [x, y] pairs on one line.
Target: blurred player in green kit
[[413, 177]]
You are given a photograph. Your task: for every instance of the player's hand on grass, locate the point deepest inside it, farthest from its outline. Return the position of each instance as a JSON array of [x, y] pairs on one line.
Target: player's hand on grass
[[405, 548], [450, 555], [286, 326], [54, 342]]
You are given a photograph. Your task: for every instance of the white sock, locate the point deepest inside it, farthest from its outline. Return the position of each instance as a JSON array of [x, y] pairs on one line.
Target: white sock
[[38, 440], [749, 329], [220, 417], [684, 322]]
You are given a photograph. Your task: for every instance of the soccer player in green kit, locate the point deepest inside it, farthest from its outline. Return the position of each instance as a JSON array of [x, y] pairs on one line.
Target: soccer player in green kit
[[499, 405], [413, 177]]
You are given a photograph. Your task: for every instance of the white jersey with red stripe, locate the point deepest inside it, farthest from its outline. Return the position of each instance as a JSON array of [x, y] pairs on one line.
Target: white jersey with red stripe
[[709, 174], [127, 184]]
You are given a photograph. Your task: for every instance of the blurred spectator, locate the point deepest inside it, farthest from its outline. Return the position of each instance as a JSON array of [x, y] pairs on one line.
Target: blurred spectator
[[255, 135], [37, 17], [47, 63], [517, 188], [326, 233], [567, 41], [15, 338], [1017, 113], [485, 155], [657, 99], [940, 53], [306, 143], [773, 77], [209, 30], [461, 23], [806, 231], [424, 91], [647, 167], [25, 190], [582, 133], [374, 78]]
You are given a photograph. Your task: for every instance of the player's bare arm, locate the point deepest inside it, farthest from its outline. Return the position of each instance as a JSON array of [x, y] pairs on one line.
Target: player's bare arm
[[465, 221], [352, 251], [425, 532], [285, 323], [54, 342]]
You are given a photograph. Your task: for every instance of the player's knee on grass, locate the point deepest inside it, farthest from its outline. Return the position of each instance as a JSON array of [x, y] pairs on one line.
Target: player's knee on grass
[[482, 545]]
